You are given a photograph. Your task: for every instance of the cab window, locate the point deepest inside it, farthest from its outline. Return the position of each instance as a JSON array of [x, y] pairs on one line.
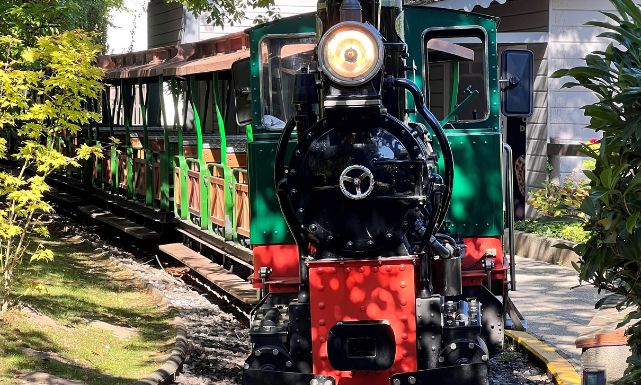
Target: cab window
[[281, 57], [456, 73]]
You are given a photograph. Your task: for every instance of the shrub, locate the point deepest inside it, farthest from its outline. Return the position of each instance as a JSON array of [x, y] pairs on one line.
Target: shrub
[[611, 257], [555, 199]]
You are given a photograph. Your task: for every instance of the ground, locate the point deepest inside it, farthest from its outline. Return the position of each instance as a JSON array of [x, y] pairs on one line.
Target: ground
[[91, 323]]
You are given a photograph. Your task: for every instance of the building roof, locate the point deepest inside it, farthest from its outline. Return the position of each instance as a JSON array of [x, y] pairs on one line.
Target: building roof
[[465, 5]]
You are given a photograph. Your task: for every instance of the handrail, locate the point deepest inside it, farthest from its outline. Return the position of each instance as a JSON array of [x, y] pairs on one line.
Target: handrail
[[509, 211]]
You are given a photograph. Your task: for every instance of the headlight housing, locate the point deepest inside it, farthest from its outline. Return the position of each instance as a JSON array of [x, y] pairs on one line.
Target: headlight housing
[[350, 53]]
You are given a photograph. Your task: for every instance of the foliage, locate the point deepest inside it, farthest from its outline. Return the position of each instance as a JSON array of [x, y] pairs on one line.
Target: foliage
[[555, 199], [43, 94], [611, 257], [222, 12], [570, 231], [28, 20]]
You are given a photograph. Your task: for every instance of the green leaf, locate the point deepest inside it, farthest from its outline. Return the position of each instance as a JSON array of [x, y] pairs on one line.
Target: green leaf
[[631, 222]]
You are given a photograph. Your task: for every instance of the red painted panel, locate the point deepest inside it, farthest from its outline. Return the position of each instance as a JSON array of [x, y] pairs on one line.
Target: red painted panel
[[473, 273], [364, 290], [283, 260]]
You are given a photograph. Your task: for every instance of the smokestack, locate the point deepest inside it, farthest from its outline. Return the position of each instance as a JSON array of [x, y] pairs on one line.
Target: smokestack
[[351, 10]]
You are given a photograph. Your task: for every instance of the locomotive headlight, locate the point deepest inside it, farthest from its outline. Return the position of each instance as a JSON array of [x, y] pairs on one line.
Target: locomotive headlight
[[350, 53]]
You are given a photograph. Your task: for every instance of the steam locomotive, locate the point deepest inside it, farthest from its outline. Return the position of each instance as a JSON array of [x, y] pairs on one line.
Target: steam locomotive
[[350, 161], [365, 193]]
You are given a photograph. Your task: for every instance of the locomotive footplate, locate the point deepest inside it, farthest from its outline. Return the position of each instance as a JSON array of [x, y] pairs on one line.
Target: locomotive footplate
[[268, 377], [467, 374]]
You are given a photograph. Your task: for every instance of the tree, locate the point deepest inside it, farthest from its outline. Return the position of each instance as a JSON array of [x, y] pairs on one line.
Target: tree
[[44, 92], [29, 19], [221, 12], [611, 258]]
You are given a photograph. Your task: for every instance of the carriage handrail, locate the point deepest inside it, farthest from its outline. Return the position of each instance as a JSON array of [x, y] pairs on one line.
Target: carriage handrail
[[509, 211]]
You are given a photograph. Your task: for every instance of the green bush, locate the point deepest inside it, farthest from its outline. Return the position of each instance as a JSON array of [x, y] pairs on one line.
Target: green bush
[[611, 257], [572, 232], [555, 199]]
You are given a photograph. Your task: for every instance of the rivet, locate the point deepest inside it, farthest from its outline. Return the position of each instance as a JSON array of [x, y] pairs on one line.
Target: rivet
[[320, 270], [313, 382], [403, 285], [328, 382], [361, 269], [375, 269], [388, 268], [321, 288], [405, 354], [350, 243], [275, 352], [441, 359], [321, 305], [396, 381], [453, 346], [388, 235], [403, 302], [288, 364], [412, 380], [484, 357], [348, 269], [470, 345], [404, 319], [402, 268], [404, 336], [246, 366], [313, 227], [433, 348], [301, 210], [362, 308], [433, 337], [322, 339], [332, 270], [321, 322], [257, 353]]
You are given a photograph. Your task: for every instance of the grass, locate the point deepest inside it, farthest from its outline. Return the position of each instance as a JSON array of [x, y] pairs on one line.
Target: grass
[[82, 286], [571, 231]]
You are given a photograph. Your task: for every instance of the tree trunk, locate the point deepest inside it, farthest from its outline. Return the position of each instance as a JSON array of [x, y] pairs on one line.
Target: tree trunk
[[6, 290]]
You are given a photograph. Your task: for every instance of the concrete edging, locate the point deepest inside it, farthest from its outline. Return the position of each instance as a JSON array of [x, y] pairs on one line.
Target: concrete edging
[[560, 370], [542, 249], [167, 372]]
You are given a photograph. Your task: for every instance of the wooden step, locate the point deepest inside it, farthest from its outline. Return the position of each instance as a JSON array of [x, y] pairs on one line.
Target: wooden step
[[213, 272], [65, 197], [123, 224]]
